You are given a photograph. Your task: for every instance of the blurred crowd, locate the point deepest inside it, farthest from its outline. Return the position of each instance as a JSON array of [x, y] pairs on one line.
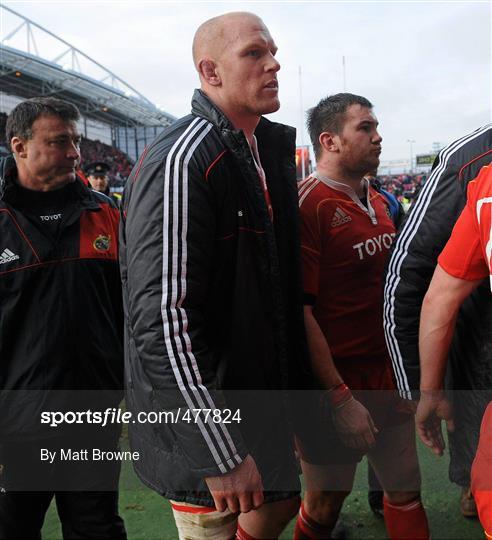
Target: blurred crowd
[[403, 186], [119, 163]]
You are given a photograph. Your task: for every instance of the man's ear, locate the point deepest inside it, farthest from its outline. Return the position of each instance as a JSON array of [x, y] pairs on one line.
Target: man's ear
[[329, 141], [208, 72], [19, 147]]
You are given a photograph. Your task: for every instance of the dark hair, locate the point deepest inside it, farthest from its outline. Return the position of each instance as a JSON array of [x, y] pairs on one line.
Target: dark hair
[[23, 116], [329, 115]]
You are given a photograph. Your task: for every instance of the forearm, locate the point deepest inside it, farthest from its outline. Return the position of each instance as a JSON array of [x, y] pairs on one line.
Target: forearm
[[437, 323], [352, 421], [322, 362]]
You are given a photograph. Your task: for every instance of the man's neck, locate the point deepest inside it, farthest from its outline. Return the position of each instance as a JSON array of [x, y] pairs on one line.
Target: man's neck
[[33, 184], [354, 180], [241, 120], [246, 123]]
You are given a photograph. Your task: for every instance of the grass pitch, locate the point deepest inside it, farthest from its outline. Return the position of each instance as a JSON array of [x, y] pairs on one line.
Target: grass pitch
[[148, 517]]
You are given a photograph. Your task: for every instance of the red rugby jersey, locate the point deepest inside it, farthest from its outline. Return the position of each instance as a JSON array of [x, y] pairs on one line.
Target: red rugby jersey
[[344, 247], [467, 255]]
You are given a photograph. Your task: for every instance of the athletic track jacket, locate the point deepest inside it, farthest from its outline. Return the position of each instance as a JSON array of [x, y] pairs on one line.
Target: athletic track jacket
[[212, 299], [421, 238]]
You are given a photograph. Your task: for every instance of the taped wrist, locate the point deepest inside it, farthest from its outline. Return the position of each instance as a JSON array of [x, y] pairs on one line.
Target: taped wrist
[[339, 395]]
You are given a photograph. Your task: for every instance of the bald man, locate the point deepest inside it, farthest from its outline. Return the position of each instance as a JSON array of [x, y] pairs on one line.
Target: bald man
[[210, 267]]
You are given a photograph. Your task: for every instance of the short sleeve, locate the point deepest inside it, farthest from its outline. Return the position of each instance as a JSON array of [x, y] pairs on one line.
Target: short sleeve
[[463, 256]]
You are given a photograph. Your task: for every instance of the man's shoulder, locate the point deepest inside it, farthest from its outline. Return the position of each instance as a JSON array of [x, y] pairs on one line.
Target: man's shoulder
[[191, 143], [305, 189], [106, 202], [481, 187], [474, 143], [181, 140], [466, 155], [312, 192]]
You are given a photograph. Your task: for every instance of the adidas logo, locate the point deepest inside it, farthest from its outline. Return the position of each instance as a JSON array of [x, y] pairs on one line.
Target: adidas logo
[[8, 256], [339, 218]]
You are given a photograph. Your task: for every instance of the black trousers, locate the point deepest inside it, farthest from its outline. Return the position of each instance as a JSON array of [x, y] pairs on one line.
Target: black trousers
[[83, 515], [85, 491]]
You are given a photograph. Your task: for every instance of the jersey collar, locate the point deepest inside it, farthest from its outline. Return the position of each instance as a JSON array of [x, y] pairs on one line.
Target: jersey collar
[[351, 193]]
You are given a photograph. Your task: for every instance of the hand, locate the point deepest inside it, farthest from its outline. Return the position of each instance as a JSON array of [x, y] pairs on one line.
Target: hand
[[240, 490], [407, 406], [354, 425], [432, 408]]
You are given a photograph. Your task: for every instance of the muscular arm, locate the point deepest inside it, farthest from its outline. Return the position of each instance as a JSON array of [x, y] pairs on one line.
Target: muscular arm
[[437, 322]]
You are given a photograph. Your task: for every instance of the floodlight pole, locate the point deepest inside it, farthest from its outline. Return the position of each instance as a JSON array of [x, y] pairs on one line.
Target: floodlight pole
[[411, 141], [303, 164]]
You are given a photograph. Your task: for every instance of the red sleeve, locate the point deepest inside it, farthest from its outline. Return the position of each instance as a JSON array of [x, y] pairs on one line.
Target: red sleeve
[[462, 256], [310, 251]]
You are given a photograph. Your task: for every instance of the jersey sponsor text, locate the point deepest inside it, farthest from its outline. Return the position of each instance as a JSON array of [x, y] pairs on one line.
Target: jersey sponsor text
[[52, 217], [374, 245]]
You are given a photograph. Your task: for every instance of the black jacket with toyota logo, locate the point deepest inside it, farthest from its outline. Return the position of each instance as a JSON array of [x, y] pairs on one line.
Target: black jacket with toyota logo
[[60, 307]]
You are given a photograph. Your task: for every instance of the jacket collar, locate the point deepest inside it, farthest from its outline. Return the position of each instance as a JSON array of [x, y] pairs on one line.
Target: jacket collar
[[202, 105], [344, 188], [9, 193], [267, 132]]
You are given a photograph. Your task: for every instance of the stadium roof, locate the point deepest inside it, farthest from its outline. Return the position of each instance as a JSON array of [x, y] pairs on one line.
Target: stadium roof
[[98, 92]]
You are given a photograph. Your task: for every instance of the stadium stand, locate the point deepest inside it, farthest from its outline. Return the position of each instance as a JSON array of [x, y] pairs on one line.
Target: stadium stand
[[403, 185], [117, 121], [121, 165]]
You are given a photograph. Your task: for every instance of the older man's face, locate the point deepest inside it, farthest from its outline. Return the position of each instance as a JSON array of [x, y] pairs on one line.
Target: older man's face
[[51, 156]]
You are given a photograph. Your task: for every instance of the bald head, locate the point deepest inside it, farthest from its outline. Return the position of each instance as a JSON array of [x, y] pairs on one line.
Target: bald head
[[234, 55], [214, 36]]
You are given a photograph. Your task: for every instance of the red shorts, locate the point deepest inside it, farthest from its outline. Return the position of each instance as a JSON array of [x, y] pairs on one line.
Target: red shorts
[[373, 385]]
